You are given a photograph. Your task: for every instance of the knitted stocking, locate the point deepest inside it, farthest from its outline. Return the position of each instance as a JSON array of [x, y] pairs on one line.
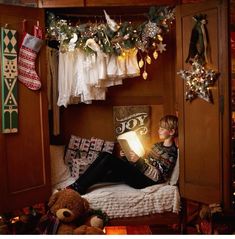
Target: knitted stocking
[[26, 62]]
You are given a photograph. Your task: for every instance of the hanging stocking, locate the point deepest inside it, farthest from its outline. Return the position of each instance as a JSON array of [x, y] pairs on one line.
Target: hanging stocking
[[26, 62]]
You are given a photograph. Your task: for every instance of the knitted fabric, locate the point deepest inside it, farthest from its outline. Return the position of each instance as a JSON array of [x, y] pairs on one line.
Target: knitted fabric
[[26, 62]]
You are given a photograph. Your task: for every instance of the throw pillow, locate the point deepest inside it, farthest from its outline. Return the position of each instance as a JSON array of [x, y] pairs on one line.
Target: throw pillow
[[81, 153], [77, 148], [60, 173]]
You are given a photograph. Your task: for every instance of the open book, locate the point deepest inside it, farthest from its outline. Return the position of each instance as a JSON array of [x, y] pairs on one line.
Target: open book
[[129, 141]]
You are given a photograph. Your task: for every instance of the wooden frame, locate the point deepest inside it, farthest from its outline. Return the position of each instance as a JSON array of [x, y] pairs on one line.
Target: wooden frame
[[153, 219]]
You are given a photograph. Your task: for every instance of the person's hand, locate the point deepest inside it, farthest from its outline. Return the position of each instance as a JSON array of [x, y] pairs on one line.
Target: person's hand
[[133, 157], [122, 153]]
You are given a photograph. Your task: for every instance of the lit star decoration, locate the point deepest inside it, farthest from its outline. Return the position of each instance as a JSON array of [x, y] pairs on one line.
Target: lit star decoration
[[198, 82]]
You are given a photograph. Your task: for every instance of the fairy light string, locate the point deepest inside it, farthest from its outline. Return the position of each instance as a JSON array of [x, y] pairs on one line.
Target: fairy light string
[[115, 38]]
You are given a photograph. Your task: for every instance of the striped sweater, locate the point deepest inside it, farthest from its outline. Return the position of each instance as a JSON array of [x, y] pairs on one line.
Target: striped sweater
[[159, 162]]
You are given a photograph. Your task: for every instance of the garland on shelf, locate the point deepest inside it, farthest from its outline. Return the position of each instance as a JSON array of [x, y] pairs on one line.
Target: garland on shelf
[[115, 38]]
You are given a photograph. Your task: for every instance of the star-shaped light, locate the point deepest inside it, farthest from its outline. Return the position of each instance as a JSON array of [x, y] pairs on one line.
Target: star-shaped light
[[161, 47], [198, 82]]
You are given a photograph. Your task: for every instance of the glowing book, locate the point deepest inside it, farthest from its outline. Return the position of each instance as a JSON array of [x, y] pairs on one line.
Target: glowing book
[[129, 141]]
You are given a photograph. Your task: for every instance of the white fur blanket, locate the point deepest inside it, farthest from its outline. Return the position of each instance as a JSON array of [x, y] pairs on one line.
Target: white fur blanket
[[120, 200]]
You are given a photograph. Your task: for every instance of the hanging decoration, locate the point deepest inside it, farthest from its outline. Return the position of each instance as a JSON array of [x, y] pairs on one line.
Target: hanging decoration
[[9, 80], [198, 82], [28, 52], [198, 46], [115, 38], [26, 64], [199, 79]]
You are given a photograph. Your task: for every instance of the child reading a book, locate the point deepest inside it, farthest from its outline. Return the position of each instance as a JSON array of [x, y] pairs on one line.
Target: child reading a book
[[139, 172]]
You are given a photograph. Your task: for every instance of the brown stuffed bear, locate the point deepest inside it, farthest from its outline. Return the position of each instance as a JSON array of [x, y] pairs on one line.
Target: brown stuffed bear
[[68, 209]]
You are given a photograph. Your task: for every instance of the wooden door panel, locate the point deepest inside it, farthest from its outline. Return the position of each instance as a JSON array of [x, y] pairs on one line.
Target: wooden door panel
[[25, 161], [201, 123]]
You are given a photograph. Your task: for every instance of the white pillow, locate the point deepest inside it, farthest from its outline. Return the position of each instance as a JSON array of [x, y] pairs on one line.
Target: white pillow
[[60, 173], [175, 174]]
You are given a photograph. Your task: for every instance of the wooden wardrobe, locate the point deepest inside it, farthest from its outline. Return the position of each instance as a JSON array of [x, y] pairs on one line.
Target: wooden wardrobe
[[24, 156], [204, 130]]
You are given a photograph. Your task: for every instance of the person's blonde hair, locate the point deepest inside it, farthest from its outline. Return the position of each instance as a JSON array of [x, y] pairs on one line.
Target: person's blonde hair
[[169, 122]]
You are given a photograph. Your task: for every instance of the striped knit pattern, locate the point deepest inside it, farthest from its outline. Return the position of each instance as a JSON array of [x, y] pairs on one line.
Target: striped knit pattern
[[159, 162], [26, 68]]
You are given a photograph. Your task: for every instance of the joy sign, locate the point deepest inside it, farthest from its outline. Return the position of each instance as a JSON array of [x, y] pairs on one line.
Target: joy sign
[[132, 118]]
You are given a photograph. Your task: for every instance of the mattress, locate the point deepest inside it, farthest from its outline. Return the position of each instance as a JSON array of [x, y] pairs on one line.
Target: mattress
[[121, 200]]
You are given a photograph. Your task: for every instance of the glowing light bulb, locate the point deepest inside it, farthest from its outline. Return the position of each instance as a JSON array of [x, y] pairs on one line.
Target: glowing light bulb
[[148, 59], [141, 63], [145, 75], [155, 55]]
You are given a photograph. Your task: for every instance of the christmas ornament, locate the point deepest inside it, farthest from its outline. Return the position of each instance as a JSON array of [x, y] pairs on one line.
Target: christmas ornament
[[110, 36], [111, 23], [26, 62], [72, 42], [92, 45], [145, 75], [141, 63], [161, 47], [148, 59], [198, 82], [155, 55], [151, 29], [159, 37], [199, 40]]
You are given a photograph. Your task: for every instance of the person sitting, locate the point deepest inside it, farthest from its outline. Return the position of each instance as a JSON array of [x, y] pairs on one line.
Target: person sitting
[[139, 172]]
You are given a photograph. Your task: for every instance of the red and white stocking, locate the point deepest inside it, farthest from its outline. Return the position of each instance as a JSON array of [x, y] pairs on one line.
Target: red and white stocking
[[26, 62]]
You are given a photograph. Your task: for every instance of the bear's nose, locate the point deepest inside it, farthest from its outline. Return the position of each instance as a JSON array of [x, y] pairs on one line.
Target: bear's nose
[[66, 214]]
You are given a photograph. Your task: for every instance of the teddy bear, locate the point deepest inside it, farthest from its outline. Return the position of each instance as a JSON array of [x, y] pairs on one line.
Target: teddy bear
[[67, 214]]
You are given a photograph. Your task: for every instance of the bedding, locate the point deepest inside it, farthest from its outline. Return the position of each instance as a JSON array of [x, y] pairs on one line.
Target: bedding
[[120, 200]]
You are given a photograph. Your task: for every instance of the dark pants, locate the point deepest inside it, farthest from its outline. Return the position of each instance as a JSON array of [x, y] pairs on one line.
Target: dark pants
[[108, 168]]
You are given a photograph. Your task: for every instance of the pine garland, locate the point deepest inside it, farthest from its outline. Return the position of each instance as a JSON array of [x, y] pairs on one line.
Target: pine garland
[[110, 36]]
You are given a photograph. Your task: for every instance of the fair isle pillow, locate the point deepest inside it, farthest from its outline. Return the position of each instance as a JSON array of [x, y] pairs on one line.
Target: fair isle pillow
[[85, 156], [80, 165], [99, 145], [77, 148], [74, 142], [96, 144]]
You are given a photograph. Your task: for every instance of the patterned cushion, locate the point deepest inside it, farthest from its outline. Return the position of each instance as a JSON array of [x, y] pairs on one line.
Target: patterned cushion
[[79, 166], [82, 152], [74, 142], [77, 148], [96, 144]]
